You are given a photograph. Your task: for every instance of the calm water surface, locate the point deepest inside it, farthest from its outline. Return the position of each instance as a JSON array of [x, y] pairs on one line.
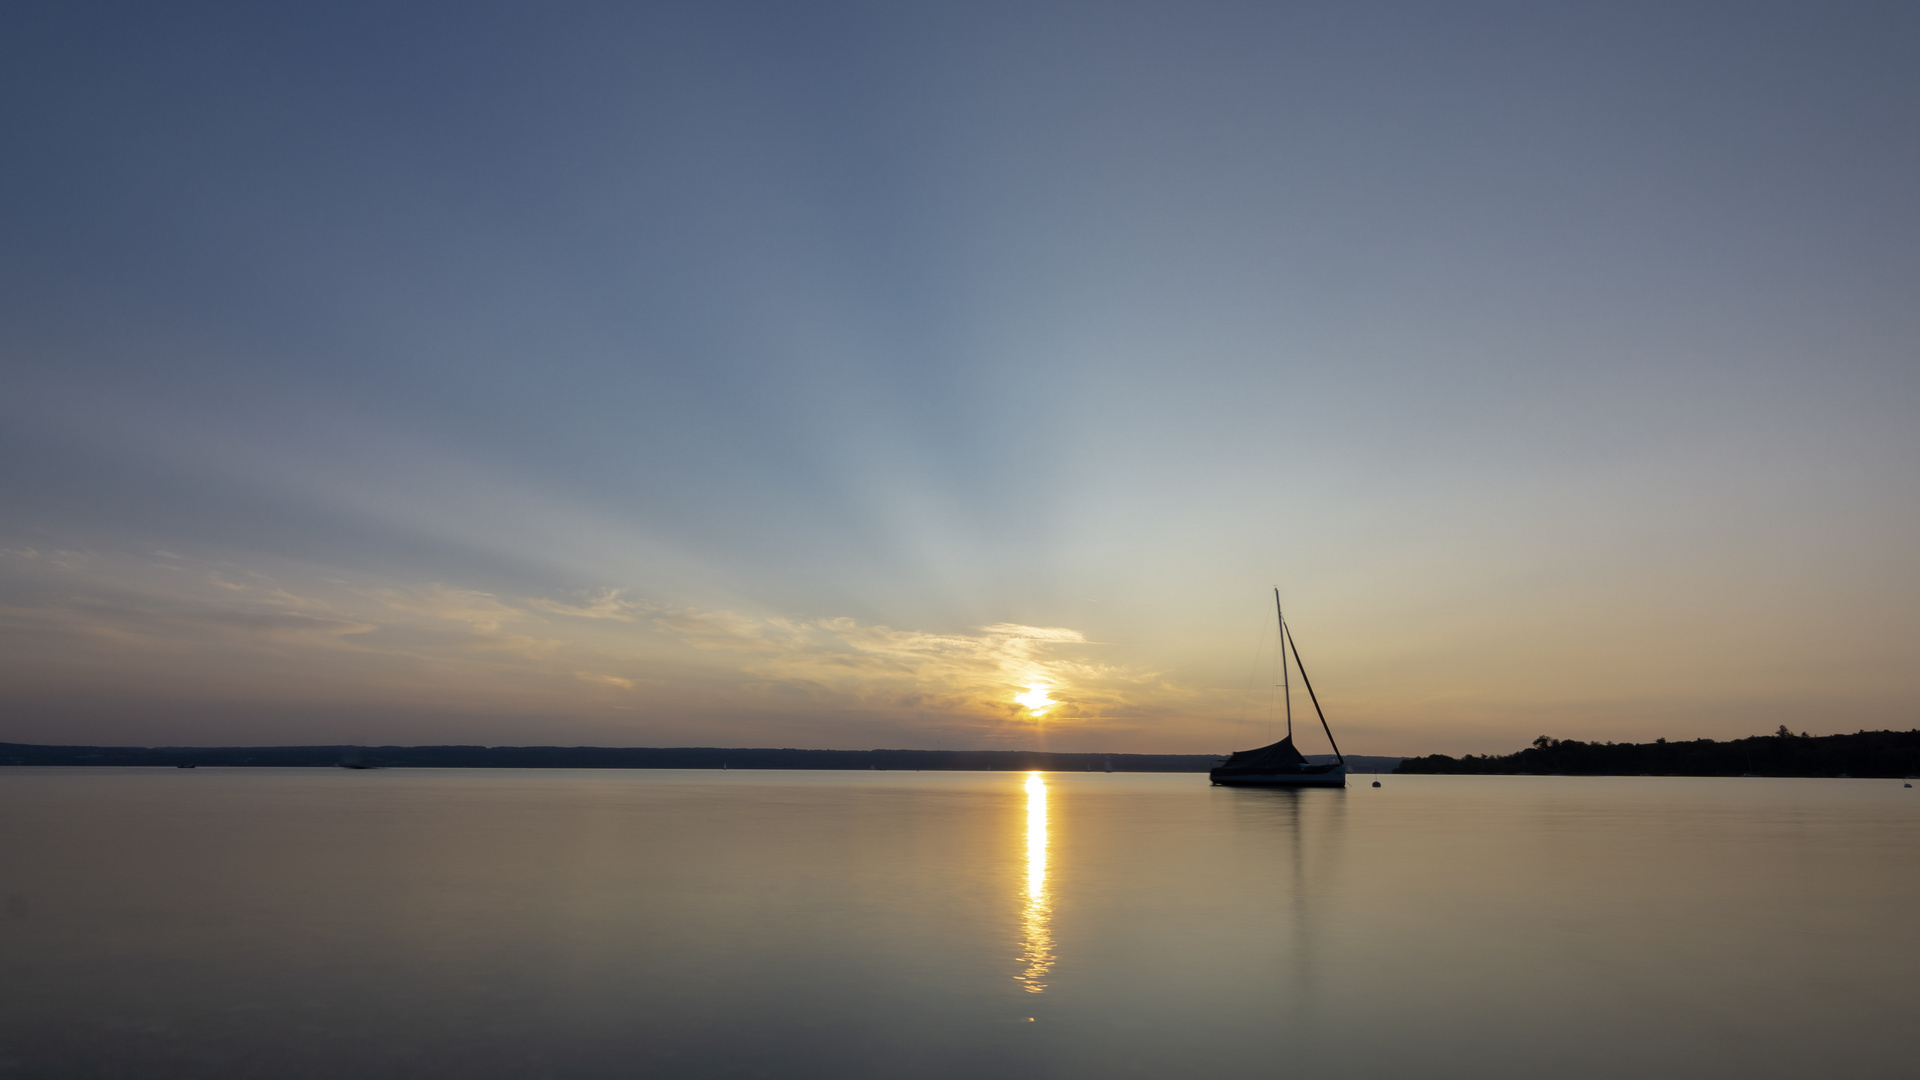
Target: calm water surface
[[417, 923]]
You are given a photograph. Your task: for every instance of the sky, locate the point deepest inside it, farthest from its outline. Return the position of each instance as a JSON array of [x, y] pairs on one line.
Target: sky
[[942, 375]]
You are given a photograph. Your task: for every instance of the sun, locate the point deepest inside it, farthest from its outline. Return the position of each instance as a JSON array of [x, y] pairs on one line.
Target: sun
[[1036, 699]]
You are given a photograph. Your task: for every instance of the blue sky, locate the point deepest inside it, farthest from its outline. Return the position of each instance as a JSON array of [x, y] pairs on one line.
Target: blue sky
[[829, 375]]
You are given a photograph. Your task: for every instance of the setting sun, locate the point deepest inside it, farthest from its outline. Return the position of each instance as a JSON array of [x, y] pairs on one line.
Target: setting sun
[[1035, 699]]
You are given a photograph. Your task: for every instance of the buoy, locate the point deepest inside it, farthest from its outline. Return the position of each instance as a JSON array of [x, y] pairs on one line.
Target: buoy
[[1376, 783]]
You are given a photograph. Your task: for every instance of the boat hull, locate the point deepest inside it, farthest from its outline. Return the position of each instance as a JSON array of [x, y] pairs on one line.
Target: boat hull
[[1334, 777]]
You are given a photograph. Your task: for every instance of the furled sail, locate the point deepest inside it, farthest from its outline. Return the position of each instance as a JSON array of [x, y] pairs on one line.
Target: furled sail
[[1281, 756]]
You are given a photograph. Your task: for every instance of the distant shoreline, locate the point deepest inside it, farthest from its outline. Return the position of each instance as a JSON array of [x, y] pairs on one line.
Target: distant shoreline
[[1883, 754], [620, 757]]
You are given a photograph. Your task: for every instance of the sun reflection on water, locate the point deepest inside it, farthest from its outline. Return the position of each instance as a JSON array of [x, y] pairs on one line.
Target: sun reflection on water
[[1038, 952]]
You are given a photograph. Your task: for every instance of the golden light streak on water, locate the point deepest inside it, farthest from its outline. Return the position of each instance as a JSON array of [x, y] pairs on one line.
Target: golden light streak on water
[[1038, 915]]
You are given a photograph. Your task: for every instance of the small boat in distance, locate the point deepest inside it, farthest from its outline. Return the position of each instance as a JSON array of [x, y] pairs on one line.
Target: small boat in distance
[[1280, 765]]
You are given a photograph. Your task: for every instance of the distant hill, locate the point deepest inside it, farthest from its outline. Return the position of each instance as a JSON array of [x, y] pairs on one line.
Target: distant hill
[[1865, 753]]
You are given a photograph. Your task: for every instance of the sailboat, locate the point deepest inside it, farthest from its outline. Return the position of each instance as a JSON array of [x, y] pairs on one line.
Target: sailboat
[[1280, 765]]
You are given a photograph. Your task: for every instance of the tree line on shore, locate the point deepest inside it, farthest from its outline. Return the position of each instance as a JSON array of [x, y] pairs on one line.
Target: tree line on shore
[[1864, 753]]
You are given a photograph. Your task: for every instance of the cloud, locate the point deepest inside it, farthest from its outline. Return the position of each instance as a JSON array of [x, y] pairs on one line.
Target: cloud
[[532, 648], [179, 629], [880, 667], [480, 611], [213, 623], [721, 629], [606, 604]]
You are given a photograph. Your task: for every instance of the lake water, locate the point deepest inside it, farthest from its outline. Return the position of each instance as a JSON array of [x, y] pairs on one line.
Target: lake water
[[295, 923]]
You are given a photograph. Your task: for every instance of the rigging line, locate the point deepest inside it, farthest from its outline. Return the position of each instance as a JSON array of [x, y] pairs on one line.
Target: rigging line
[[1288, 634], [1286, 691]]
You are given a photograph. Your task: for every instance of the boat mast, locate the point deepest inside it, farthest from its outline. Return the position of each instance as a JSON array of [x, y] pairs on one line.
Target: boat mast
[[1287, 635], [1286, 691]]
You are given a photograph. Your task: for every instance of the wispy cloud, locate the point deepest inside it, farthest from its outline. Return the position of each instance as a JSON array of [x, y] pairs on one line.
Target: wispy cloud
[[605, 604], [479, 610], [488, 620], [180, 629], [978, 674], [218, 623]]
